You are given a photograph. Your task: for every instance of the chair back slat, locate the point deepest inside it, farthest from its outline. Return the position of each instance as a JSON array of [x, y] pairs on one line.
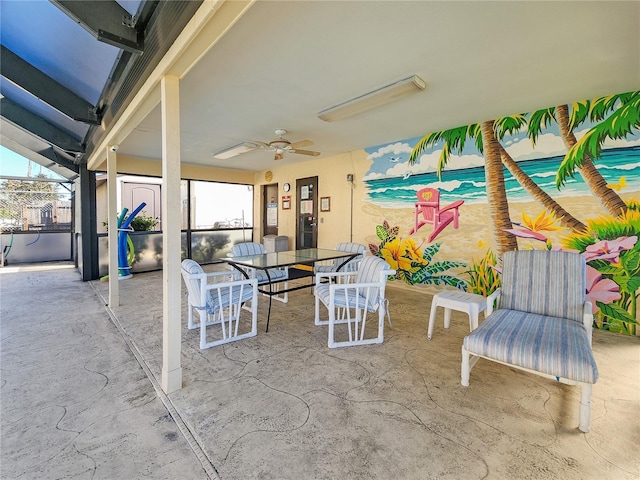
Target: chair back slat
[[370, 271], [247, 248], [193, 276], [349, 247], [544, 282]]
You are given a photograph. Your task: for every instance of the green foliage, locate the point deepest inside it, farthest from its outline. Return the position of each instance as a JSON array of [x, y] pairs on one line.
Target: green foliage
[[140, 223], [412, 265], [618, 316], [143, 223], [620, 123], [484, 279]]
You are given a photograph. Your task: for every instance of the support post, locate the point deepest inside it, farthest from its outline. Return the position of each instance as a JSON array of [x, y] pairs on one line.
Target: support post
[[112, 207], [86, 201], [171, 248]]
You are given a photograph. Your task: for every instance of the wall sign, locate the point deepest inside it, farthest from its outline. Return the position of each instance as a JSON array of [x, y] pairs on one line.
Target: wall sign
[[286, 202]]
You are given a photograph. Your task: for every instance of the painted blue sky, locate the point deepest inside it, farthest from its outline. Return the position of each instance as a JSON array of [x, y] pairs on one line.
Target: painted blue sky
[[390, 160]]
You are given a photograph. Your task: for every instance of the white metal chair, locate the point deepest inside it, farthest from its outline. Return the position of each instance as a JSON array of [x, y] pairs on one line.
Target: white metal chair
[[542, 325], [218, 298], [277, 276], [349, 301], [350, 266]]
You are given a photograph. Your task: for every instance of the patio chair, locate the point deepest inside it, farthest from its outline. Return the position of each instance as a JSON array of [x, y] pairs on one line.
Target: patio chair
[[277, 275], [218, 298], [350, 301], [350, 266], [428, 207], [542, 325]]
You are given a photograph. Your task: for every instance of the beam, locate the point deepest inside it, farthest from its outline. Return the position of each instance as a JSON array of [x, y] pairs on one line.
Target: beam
[[45, 88], [34, 149], [209, 24], [107, 21], [39, 127]]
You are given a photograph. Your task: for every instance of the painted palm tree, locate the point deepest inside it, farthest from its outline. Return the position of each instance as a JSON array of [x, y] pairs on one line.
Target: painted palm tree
[[624, 118], [487, 144], [567, 122], [514, 124]]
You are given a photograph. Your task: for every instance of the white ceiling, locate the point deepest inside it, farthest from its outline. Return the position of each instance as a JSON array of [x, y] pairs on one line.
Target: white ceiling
[[284, 62]]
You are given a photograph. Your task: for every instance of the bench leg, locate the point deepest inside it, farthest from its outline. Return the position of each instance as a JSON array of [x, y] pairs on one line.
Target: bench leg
[[585, 407], [466, 368], [447, 317], [432, 316]]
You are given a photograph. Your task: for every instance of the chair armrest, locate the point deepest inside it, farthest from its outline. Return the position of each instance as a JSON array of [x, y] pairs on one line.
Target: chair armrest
[[451, 206], [587, 319], [333, 275], [353, 286], [215, 276], [235, 283], [491, 299]]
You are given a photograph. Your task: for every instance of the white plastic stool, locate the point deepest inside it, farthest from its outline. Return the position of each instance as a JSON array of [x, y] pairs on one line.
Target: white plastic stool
[[460, 301]]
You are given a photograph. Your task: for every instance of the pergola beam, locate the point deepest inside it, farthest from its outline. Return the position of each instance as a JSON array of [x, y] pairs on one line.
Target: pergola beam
[[38, 127], [45, 88], [107, 21]]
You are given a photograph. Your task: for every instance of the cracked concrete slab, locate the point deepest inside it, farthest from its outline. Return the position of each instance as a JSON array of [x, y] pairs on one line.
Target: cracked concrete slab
[[75, 402]]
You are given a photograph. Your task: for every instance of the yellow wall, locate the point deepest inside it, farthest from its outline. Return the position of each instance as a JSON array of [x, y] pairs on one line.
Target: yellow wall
[[335, 225]]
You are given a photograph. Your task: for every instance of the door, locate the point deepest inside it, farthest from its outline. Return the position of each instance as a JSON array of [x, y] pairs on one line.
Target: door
[[135, 193], [307, 213], [270, 209]]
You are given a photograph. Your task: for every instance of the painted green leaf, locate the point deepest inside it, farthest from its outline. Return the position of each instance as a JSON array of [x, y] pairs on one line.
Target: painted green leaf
[[608, 269], [616, 311], [430, 251], [633, 285], [444, 265], [381, 232], [630, 261]]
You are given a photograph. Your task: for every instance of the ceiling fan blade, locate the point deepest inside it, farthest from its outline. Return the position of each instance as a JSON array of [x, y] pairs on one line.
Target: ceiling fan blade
[[301, 143], [261, 145], [278, 156], [305, 152]]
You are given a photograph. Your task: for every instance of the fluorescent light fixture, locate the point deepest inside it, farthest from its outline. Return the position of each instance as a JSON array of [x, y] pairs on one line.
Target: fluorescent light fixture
[[243, 147], [376, 98]]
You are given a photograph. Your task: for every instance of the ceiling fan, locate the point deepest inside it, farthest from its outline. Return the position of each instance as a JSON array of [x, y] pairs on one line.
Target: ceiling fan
[[281, 146]]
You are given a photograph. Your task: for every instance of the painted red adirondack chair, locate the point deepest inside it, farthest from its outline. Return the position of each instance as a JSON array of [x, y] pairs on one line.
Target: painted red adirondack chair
[[428, 207]]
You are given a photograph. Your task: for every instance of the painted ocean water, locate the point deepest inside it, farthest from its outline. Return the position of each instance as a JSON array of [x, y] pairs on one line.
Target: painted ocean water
[[470, 185]]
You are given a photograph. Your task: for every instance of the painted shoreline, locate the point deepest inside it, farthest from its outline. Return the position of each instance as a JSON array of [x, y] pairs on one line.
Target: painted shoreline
[[474, 235]]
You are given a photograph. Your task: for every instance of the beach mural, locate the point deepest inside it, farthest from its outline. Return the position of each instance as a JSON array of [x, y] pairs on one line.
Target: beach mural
[[565, 177]]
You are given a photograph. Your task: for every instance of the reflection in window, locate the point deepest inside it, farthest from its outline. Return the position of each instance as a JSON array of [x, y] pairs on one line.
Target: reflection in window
[[221, 205]]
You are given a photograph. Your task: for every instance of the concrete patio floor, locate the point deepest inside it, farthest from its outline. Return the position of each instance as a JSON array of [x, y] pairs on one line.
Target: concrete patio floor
[[79, 397]]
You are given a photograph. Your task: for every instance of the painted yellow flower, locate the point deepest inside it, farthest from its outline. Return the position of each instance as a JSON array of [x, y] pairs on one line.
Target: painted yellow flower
[[412, 250], [393, 252], [542, 223]]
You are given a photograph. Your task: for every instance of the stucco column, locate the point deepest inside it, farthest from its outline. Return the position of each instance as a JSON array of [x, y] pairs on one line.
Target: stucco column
[[171, 298], [112, 212]]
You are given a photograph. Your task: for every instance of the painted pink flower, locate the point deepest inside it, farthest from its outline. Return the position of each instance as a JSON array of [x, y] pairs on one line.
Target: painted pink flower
[[609, 249], [601, 289]]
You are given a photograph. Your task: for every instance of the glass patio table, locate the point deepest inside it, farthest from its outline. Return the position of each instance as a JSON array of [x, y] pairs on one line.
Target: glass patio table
[[289, 258]]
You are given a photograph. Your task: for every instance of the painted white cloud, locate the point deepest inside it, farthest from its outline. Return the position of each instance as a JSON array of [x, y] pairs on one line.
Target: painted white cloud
[[547, 145], [393, 148]]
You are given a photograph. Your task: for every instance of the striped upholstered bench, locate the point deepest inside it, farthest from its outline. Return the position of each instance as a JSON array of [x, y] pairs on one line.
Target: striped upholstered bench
[[542, 324]]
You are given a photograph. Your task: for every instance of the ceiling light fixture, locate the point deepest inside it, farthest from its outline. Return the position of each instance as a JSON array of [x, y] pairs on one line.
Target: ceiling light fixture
[[376, 98], [243, 147]]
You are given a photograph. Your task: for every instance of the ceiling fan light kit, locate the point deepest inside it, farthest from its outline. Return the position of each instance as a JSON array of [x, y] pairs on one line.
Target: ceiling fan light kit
[[373, 99], [243, 147]]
